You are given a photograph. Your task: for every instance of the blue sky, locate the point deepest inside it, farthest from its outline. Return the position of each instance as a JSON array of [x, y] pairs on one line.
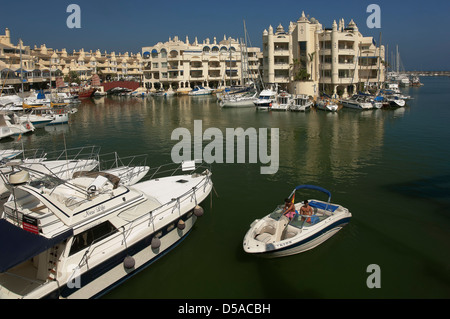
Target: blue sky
[[419, 28]]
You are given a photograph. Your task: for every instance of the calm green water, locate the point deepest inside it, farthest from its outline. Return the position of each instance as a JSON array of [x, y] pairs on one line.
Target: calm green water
[[391, 169]]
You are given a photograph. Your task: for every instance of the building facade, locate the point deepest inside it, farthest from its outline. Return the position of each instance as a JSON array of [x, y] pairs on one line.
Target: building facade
[[310, 59], [38, 66], [181, 65]]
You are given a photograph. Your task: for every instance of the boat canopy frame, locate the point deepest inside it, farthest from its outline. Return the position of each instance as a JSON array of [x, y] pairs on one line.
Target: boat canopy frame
[[314, 187]]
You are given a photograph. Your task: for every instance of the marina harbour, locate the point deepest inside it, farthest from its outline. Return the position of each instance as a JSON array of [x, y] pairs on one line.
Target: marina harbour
[[388, 166]]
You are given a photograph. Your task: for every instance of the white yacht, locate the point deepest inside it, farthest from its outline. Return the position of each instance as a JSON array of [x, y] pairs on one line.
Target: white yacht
[[266, 98], [282, 102], [239, 100], [300, 103], [80, 238], [200, 90], [356, 102]]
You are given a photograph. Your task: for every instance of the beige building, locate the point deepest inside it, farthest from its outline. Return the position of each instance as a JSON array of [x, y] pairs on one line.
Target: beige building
[[39, 61], [181, 65], [308, 59]]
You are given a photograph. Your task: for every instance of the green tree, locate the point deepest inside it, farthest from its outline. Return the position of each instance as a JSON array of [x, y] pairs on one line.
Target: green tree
[[299, 73], [72, 77]]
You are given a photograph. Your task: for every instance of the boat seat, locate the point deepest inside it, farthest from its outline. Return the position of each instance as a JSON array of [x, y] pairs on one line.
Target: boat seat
[[265, 238]]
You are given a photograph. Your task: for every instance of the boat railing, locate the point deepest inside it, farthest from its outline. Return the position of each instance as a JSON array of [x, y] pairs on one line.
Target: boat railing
[[112, 160], [150, 219], [84, 152], [135, 165], [174, 168]]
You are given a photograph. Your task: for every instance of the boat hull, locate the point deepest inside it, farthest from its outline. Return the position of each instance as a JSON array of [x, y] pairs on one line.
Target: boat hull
[[308, 243], [274, 236], [103, 277]]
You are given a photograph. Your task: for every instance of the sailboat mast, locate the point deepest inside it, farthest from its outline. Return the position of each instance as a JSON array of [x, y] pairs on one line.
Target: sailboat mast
[[21, 66], [398, 62]]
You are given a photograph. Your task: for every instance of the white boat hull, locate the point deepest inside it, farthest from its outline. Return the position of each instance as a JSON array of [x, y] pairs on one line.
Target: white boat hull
[[237, 103], [116, 273], [357, 105], [327, 106]]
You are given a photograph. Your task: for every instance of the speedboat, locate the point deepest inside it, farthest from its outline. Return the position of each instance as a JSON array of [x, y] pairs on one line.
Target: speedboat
[[326, 105], [275, 235], [300, 103], [81, 238]]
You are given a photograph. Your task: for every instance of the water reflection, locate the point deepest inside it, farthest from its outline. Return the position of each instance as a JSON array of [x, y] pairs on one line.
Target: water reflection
[[313, 146]]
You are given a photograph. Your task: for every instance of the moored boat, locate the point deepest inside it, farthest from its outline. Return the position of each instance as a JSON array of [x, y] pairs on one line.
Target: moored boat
[[300, 103], [282, 102], [266, 98], [327, 104], [356, 102], [80, 238], [200, 90]]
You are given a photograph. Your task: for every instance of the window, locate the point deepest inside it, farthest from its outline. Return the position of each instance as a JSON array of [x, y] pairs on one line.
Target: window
[[94, 234]]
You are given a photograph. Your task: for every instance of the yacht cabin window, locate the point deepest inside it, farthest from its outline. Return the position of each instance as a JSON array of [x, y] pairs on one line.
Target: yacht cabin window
[[85, 239]]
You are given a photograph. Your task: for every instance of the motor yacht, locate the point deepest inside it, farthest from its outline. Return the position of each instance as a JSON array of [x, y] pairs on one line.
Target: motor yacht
[[200, 90], [266, 98], [82, 237], [300, 103], [356, 102]]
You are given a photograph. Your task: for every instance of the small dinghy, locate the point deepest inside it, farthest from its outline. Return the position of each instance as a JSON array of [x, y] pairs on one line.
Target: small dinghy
[[277, 235]]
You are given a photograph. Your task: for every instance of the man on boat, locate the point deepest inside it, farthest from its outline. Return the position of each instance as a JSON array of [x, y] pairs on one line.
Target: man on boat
[[306, 210]]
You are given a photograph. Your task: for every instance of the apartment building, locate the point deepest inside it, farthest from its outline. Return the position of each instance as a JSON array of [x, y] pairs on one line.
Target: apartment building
[[309, 59], [181, 65], [40, 65]]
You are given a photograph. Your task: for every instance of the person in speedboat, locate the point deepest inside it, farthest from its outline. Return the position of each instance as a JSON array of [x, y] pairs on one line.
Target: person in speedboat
[[307, 210], [289, 209]]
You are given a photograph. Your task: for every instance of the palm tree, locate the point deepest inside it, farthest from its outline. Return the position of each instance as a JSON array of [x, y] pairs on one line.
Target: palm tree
[[299, 73]]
